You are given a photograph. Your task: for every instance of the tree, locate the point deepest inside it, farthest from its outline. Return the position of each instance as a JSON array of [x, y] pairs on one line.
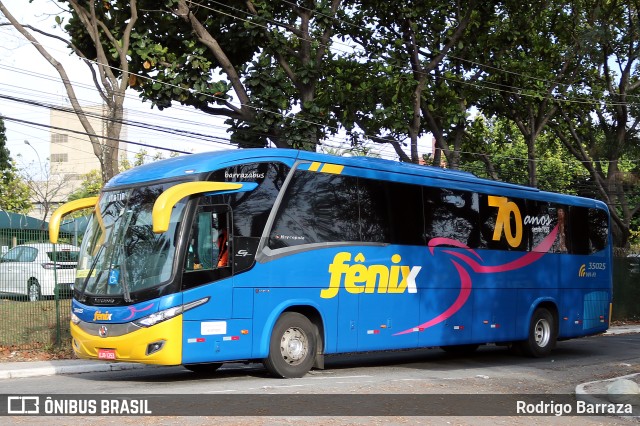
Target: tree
[[258, 63], [46, 189], [15, 194], [408, 80], [530, 59], [496, 149], [90, 186], [102, 42], [600, 127], [92, 183], [5, 155]]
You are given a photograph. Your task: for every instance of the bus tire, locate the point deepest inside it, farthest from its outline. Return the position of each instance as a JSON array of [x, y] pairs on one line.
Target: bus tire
[[209, 368], [33, 290], [542, 334], [292, 348]]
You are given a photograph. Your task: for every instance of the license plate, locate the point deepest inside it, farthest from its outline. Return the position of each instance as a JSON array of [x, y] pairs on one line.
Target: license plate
[[106, 354]]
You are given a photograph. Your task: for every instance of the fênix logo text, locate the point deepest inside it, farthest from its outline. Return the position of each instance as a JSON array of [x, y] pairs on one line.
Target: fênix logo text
[[102, 316], [357, 277]]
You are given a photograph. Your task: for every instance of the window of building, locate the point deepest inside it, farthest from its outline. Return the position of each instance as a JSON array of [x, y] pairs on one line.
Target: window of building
[[59, 138], [59, 158]]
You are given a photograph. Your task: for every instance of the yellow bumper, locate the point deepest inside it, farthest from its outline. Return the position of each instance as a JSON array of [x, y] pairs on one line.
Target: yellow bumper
[[132, 347]]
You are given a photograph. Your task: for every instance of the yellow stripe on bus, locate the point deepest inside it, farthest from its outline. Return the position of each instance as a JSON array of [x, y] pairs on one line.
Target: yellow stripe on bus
[[314, 166], [332, 168]]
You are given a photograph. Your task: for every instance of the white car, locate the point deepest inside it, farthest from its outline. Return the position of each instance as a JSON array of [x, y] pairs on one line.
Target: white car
[[29, 269]]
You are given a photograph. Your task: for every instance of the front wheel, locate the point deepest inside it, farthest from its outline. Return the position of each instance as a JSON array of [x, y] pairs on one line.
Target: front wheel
[[542, 334], [33, 290], [292, 347]]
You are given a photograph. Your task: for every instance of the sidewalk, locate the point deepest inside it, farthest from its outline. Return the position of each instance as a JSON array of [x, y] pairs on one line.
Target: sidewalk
[[12, 370], [596, 392]]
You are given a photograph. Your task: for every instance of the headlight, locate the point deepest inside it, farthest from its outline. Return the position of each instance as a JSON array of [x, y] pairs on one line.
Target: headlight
[[158, 317], [75, 319]]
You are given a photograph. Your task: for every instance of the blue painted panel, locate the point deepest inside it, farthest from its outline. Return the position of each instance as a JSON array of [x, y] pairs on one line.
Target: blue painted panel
[[494, 315], [383, 316], [219, 305], [216, 340]]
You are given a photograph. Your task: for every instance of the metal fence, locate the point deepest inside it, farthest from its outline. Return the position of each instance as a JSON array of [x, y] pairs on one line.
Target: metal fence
[[626, 288], [35, 283]]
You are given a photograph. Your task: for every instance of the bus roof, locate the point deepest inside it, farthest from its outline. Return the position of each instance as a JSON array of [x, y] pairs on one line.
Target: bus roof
[[193, 164]]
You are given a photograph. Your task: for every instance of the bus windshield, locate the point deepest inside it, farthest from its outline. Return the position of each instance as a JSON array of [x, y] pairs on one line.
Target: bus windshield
[[120, 253]]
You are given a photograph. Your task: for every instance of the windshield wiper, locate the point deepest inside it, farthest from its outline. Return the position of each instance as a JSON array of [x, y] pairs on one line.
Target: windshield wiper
[[125, 285]]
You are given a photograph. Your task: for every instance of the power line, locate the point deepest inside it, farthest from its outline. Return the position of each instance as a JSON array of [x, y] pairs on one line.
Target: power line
[[308, 121], [89, 134]]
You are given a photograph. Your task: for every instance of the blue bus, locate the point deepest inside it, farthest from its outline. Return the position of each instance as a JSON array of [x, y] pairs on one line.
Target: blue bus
[[283, 256]]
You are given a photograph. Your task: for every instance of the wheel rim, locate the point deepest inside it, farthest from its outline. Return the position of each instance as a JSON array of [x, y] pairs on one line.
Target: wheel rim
[[33, 292], [542, 332], [294, 346]]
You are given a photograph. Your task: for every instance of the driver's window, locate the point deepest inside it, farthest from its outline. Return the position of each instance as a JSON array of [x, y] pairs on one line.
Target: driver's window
[[209, 239]]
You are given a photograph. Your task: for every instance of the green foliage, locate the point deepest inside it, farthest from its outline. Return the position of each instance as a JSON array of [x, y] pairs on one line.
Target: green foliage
[[13, 190], [90, 186], [503, 147], [556, 81], [634, 240], [142, 157], [257, 63], [5, 158]]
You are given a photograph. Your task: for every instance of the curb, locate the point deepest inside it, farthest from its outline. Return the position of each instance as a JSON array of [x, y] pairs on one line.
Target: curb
[[600, 395], [52, 370]]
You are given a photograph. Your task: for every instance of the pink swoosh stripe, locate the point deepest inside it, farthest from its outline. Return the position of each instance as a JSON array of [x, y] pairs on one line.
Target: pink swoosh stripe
[[434, 242], [539, 251], [465, 280], [134, 311], [465, 291]]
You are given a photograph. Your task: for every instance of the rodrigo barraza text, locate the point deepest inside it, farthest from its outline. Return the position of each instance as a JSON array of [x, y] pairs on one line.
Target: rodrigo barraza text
[[579, 407]]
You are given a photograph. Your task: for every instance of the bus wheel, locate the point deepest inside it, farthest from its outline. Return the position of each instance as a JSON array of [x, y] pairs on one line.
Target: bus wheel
[[460, 349], [33, 290], [293, 346], [542, 334], [209, 368]]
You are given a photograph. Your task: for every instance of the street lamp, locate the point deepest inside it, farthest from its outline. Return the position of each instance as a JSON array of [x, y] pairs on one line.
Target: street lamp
[[26, 142]]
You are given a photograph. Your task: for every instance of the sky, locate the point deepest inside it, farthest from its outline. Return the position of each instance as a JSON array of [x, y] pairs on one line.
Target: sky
[[26, 75]]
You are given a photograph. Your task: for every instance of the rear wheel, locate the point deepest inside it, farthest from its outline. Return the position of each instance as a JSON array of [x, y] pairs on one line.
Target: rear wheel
[[542, 334], [292, 347], [33, 290]]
